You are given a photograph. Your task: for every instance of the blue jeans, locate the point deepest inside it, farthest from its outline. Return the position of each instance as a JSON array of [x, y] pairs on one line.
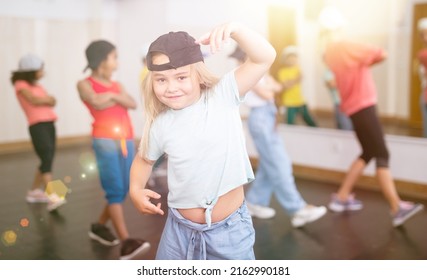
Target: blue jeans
[[231, 238], [274, 172], [343, 121], [113, 167]]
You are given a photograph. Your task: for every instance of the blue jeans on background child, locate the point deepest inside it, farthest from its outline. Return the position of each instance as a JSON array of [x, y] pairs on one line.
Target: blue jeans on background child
[[343, 121], [274, 172], [231, 238], [113, 167]]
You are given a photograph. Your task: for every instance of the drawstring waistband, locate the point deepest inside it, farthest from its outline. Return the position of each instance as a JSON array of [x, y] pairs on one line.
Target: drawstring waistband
[[197, 244]]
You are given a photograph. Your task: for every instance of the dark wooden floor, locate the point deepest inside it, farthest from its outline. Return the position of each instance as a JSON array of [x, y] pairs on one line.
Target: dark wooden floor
[[367, 234]]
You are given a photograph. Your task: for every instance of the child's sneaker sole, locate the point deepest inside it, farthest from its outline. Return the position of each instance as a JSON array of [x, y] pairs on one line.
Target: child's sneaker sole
[[139, 252], [313, 216], [418, 208], [341, 208], [56, 205], [95, 237], [36, 200]]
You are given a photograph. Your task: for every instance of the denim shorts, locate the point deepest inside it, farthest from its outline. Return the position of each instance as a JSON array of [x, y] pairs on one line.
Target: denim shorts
[[231, 238], [113, 167]]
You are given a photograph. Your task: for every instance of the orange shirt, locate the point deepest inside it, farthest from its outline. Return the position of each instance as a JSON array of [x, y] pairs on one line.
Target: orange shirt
[[112, 122], [34, 113], [350, 62]]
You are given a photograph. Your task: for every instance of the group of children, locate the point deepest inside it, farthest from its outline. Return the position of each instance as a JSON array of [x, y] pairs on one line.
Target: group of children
[[192, 116], [112, 138]]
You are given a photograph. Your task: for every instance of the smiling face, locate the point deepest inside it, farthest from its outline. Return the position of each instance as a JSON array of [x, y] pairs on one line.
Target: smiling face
[[176, 88]]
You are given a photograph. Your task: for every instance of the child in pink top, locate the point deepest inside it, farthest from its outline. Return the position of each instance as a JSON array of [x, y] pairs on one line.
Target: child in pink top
[[37, 106], [350, 63]]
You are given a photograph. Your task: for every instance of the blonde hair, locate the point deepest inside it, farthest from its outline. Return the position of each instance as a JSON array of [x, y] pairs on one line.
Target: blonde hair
[[153, 107]]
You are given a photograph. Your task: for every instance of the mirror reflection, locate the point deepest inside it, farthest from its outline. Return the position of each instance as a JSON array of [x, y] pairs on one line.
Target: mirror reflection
[[395, 26], [294, 28]]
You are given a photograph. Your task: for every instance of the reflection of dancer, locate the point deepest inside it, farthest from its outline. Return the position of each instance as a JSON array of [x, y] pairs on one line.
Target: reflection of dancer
[[274, 172], [37, 105], [289, 75], [422, 58], [343, 122], [350, 63], [194, 118], [113, 144]]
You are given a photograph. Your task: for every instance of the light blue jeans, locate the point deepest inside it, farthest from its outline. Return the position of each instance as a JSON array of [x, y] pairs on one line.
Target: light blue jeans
[[343, 121], [274, 172], [230, 239]]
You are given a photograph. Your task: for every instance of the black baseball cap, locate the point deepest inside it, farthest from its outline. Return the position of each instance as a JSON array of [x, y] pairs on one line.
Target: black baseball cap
[[179, 47], [96, 52]]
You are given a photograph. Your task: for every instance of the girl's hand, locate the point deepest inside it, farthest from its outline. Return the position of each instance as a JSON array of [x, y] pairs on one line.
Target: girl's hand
[[218, 36], [141, 200]]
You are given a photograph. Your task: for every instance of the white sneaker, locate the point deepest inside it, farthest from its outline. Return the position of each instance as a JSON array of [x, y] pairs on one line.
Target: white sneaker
[[261, 212], [36, 196], [54, 202], [307, 214]]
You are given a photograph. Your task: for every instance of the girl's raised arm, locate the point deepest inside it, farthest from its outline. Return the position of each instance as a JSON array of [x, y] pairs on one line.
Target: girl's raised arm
[[260, 53]]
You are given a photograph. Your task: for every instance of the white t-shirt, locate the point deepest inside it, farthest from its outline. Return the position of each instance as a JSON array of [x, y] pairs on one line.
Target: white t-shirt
[[253, 100], [205, 145]]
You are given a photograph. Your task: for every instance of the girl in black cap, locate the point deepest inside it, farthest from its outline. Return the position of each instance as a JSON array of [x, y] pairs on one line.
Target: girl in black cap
[[193, 117]]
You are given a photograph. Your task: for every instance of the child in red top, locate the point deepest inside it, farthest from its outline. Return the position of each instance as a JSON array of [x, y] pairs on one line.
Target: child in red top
[[113, 143], [37, 106], [351, 64]]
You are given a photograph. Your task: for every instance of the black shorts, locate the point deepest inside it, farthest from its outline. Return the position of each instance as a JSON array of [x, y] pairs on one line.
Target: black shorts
[[369, 132], [43, 137]]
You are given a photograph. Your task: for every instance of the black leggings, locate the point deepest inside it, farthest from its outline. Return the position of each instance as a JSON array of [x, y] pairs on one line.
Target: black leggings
[[43, 137], [370, 135]]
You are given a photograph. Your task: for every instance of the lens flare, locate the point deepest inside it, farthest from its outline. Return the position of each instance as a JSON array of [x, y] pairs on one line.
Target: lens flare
[[24, 222], [57, 187], [87, 162], [91, 167], [9, 238], [86, 158]]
